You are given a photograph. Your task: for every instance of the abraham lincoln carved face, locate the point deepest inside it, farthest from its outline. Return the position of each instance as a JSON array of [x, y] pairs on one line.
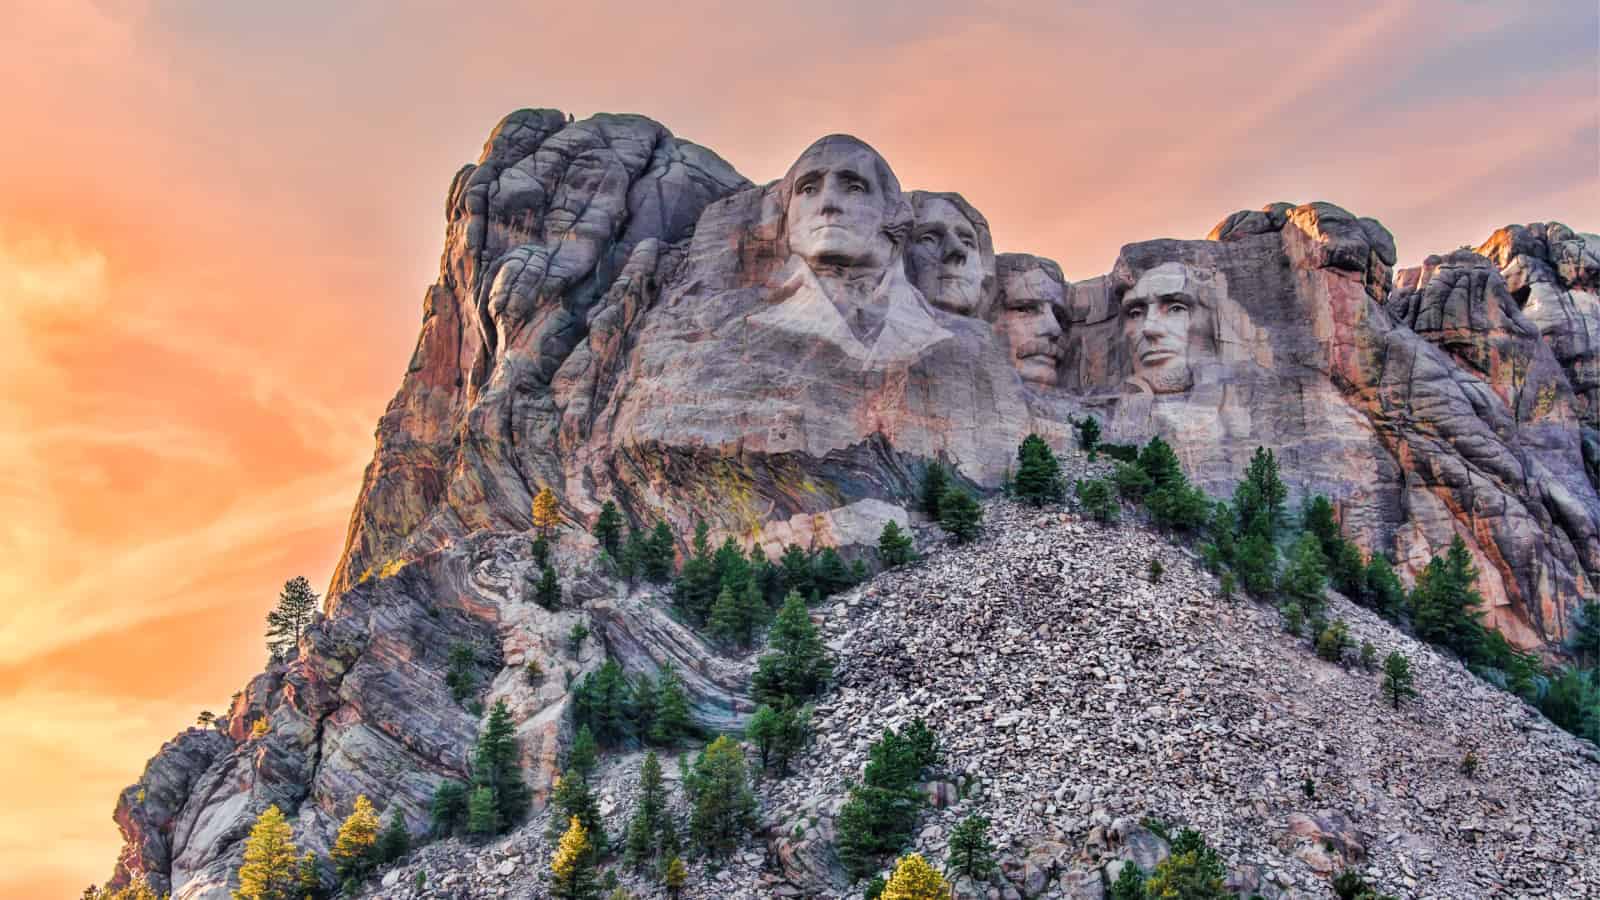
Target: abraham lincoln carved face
[[1163, 321]]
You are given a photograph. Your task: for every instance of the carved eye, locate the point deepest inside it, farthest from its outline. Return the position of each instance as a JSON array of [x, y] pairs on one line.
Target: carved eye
[[808, 188], [856, 187], [928, 237], [1177, 306], [1134, 312]]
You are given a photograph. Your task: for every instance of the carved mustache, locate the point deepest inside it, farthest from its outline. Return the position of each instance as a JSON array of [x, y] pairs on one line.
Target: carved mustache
[[1038, 347]]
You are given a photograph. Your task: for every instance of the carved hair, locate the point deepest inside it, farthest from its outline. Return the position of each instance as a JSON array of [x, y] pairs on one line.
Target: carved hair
[[897, 217]]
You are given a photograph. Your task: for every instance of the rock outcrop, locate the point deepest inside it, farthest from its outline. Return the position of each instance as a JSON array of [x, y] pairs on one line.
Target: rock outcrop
[[620, 316]]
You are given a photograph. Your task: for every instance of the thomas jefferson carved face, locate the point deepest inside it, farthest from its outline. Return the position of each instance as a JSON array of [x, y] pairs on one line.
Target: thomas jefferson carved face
[[1162, 321], [840, 195], [1026, 320], [944, 258]]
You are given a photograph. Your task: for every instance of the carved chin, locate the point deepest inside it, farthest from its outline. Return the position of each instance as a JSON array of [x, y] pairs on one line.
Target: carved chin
[[1170, 378], [1038, 370], [953, 296]]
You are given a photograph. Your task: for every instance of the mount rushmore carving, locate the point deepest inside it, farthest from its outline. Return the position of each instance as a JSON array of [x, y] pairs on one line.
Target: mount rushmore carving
[[622, 316]]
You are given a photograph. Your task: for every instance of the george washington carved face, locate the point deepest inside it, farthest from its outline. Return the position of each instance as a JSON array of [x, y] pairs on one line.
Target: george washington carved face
[[1163, 321], [950, 256], [841, 194]]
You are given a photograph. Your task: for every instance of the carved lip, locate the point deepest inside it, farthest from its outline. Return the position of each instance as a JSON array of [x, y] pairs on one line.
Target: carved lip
[[1157, 356]]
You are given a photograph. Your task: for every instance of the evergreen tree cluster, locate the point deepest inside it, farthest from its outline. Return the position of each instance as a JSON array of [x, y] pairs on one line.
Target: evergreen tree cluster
[[733, 593], [1038, 478], [497, 798], [616, 709], [879, 817], [956, 511]]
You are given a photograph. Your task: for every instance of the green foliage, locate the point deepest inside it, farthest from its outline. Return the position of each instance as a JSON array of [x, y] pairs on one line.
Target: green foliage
[[1261, 499], [1333, 640], [1098, 498], [934, 483], [635, 554], [1121, 452], [895, 546], [1193, 871], [1129, 884], [449, 810], [495, 767], [395, 841], [1349, 885], [1572, 701], [971, 852], [643, 830], [798, 665], [573, 798], [297, 606], [1158, 461], [1584, 635], [271, 867], [1397, 679], [1445, 606], [960, 515], [1088, 429], [1348, 571], [483, 820], [697, 586], [830, 575], [1132, 482], [779, 734], [1294, 618], [660, 558], [1179, 506], [1306, 577], [608, 529], [1156, 570], [585, 753], [603, 703], [1038, 479], [1226, 585], [722, 809], [460, 674], [1256, 561], [576, 637], [795, 565], [540, 551], [875, 888], [672, 723], [880, 814], [1384, 591], [548, 593], [1369, 655]]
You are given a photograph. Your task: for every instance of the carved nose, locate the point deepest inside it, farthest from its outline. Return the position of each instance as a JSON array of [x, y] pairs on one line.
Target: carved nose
[[1051, 328], [954, 253]]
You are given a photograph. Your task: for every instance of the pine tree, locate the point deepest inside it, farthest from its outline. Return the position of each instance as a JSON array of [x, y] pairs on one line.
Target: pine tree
[[723, 809], [799, 664], [1262, 497], [1158, 461], [1369, 655], [395, 842], [881, 811], [297, 606], [661, 560], [1256, 561], [572, 798], [1038, 479], [546, 511], [696, 588], [960, 515], [796, 566], [971, 852], [585, 753], [674, 877], [539, 551], [1348, 571], [602, 701], [1098, 499], [1333, 641], [934, 483], [573, 866], [648, 815], [895, 547], [672, 722], [1294, 617], [353, 847], [914, 879], [1317, 518], [830, 574], [495, 767], [608, 529], [753, 609], [548, 594], [1129, 884], [1306, 577], [310, 877], [733, 569], [779, 734], [460, 675], [635, 555], [1446, 607], [725, 621], [483, 821], [1397, 679], [1088, 435], [271, 869], [449, 809]]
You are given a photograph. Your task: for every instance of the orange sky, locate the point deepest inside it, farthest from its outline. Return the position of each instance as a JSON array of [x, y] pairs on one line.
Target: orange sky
[[217, 221]]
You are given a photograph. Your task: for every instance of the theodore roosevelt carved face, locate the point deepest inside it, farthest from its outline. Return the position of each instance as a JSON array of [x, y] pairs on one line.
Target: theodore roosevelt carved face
[[1028, 318], [1163, 320]]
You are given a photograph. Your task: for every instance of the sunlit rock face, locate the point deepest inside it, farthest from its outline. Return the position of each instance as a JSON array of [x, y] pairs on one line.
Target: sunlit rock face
[[621, 316]]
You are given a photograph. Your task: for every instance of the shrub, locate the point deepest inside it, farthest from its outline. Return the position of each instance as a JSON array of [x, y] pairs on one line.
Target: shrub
[[1469, 764], [1099, 499], [1397, 679], [1038, 478], [934, 484], [1129, 884], [1333, 640], [722, 807], [895, 546], [960, 515], [1156, 571], [971, 852], [1369, 655], [1131, 481]]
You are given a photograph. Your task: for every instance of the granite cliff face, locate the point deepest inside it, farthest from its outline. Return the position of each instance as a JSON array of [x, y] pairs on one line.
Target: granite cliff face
[[621, 316]]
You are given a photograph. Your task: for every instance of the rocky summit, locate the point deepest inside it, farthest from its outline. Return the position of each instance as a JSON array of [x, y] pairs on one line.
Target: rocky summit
[[621, 318]]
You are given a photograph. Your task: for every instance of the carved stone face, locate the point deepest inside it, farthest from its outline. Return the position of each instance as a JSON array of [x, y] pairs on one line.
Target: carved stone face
[[1162, 320], [944, 258], [1027, 320], [838, 205]]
